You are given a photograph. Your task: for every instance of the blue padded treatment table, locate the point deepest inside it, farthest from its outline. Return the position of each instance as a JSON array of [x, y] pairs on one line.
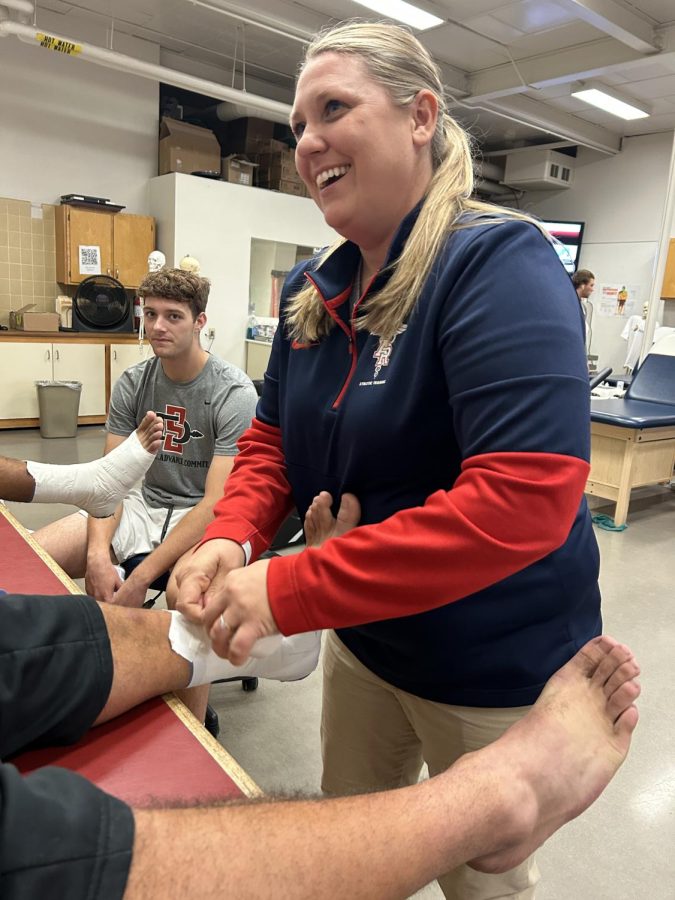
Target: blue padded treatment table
[[633, 439]]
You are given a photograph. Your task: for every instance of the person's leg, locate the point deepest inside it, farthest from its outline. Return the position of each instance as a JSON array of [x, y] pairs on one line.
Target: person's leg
[[367, 741], [96, 486], [66, 542], [493, 808], [447, 733]]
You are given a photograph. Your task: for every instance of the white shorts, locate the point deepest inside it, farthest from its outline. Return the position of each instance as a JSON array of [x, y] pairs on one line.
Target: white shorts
[[142, 528]]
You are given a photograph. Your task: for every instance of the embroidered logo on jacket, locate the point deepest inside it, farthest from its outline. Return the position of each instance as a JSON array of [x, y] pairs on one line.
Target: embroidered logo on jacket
[[177, 431], [382, 354]]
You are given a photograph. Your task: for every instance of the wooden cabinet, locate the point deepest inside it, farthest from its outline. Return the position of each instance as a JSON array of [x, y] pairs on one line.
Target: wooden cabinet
[[123, 241], [257, 358], [124, 355], [23, 364], [84, 363], [95, 360], [668, 289]]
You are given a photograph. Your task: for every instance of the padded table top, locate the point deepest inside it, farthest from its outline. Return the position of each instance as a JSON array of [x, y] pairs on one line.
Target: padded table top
[[632, 413]]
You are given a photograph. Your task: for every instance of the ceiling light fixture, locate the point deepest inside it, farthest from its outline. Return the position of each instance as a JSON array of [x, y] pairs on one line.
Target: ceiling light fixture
[[611, 101], [403, 12]]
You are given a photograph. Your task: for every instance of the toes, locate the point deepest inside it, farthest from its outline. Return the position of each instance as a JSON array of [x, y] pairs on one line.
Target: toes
[[593, 653], [623, 673], [622, 699], [626, 722], [349, 513], [613, 661]]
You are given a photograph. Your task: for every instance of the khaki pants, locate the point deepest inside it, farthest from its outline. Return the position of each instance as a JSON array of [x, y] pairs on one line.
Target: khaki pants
[[376, 737]]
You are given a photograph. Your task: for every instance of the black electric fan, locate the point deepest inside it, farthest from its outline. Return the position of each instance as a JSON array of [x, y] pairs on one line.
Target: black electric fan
[[101, 304]]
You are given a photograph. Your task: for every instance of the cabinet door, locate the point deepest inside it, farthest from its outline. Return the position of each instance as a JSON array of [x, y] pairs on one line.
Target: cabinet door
[[133, 242], [257, 358], [76, 228], [85, 363], [668, 289], [21, 366], [124, 355]]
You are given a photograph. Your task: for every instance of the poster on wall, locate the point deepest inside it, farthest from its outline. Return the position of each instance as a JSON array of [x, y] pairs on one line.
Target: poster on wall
[[618, 300]]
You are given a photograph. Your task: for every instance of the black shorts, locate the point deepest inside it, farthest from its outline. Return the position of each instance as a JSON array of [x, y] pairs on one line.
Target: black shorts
[[59, 835]]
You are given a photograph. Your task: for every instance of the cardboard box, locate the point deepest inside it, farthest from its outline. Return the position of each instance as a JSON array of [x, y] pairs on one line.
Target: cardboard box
[[25, 320], [292, 187], [250, 135], [187, 148], [237, 170], [278, 166]]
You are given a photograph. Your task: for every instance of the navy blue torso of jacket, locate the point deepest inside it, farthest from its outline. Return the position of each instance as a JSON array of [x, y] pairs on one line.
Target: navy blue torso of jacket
[[485, 388]]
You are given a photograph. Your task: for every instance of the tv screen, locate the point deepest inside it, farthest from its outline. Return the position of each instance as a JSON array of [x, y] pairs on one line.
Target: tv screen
[[567, 242]]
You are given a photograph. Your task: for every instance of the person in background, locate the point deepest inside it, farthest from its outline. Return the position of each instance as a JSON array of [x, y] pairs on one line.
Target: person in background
[[415, 387], [61, 836], [584, 283]]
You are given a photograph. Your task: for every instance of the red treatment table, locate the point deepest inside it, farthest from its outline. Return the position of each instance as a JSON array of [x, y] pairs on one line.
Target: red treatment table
[[156, 753]]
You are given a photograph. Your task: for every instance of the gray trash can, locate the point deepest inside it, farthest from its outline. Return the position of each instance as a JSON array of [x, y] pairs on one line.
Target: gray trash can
[[59, 403]]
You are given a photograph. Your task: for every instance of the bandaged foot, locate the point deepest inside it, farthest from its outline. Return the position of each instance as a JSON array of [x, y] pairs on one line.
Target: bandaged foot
[[99, 486], [284, 659]]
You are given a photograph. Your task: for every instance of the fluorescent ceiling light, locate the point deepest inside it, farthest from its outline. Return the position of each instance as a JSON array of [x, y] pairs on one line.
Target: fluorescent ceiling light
[[403, 12], [611, 101]]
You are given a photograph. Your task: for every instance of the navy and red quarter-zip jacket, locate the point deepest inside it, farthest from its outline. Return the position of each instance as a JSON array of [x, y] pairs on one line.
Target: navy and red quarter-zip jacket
[[466, 441]]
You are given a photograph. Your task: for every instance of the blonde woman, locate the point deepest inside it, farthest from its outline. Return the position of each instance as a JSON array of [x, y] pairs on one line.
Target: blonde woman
[[432, 365]]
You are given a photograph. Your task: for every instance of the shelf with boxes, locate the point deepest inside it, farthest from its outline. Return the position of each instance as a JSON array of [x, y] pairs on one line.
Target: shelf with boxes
[[247, 154]]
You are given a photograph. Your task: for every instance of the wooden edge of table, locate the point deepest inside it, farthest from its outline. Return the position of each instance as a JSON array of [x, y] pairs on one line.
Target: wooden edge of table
[[54, 567], [244, 782], [228, 764]]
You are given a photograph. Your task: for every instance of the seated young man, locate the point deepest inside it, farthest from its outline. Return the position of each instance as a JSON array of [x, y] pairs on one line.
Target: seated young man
[[60, 836], [205, 404]]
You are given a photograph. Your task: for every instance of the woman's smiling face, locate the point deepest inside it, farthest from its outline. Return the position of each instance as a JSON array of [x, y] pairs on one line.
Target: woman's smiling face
[[365, 161]]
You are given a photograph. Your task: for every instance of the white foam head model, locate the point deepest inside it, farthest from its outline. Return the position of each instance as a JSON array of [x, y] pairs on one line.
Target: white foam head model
[[156, 261]]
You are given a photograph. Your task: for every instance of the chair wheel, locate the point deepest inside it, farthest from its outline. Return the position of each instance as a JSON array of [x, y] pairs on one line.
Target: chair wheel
[[211, 722], [249, 684]]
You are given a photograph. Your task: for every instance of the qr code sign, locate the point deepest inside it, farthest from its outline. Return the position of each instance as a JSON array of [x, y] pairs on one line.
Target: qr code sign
[[89, 256], [90, 260]]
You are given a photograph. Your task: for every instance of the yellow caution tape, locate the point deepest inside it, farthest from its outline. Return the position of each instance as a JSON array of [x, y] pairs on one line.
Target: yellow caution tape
[[58, 44]]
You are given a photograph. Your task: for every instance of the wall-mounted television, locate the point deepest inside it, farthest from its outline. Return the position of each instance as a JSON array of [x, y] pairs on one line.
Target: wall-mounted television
[[568, 236]]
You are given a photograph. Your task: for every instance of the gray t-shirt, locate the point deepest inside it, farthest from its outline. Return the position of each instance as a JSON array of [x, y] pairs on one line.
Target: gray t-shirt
[[203, 418]]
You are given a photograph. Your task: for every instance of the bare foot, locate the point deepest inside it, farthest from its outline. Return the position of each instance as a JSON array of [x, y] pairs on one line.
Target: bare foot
[[149, 432], [561, 756], [320, 524]]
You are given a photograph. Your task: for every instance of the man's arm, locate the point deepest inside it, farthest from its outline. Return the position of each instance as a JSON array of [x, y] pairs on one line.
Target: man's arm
[[101, 579], [180, 539]]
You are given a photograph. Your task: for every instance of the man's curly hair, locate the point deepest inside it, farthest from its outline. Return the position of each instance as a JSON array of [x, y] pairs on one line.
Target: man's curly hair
[[177, 284]]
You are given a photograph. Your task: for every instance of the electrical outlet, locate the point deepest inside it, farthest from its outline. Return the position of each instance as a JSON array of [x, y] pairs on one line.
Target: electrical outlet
[[210, 333]]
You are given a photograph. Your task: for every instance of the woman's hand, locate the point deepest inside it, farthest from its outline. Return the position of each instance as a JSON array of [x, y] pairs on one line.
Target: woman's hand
[[202, 576], [238, 613]]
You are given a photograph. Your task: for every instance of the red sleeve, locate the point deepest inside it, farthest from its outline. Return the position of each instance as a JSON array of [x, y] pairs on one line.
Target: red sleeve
[[504, 512], [257, 495]]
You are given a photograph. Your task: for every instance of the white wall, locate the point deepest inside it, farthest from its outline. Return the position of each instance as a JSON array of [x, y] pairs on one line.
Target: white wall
[[621, 199], [215, 222], [69, 126]]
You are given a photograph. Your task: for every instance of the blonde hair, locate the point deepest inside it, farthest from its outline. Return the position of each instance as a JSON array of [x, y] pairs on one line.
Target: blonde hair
[[395, 58]]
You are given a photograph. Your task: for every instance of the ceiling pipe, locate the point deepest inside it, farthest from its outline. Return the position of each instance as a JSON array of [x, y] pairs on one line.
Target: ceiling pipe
[[250, 104], [21, 6]]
